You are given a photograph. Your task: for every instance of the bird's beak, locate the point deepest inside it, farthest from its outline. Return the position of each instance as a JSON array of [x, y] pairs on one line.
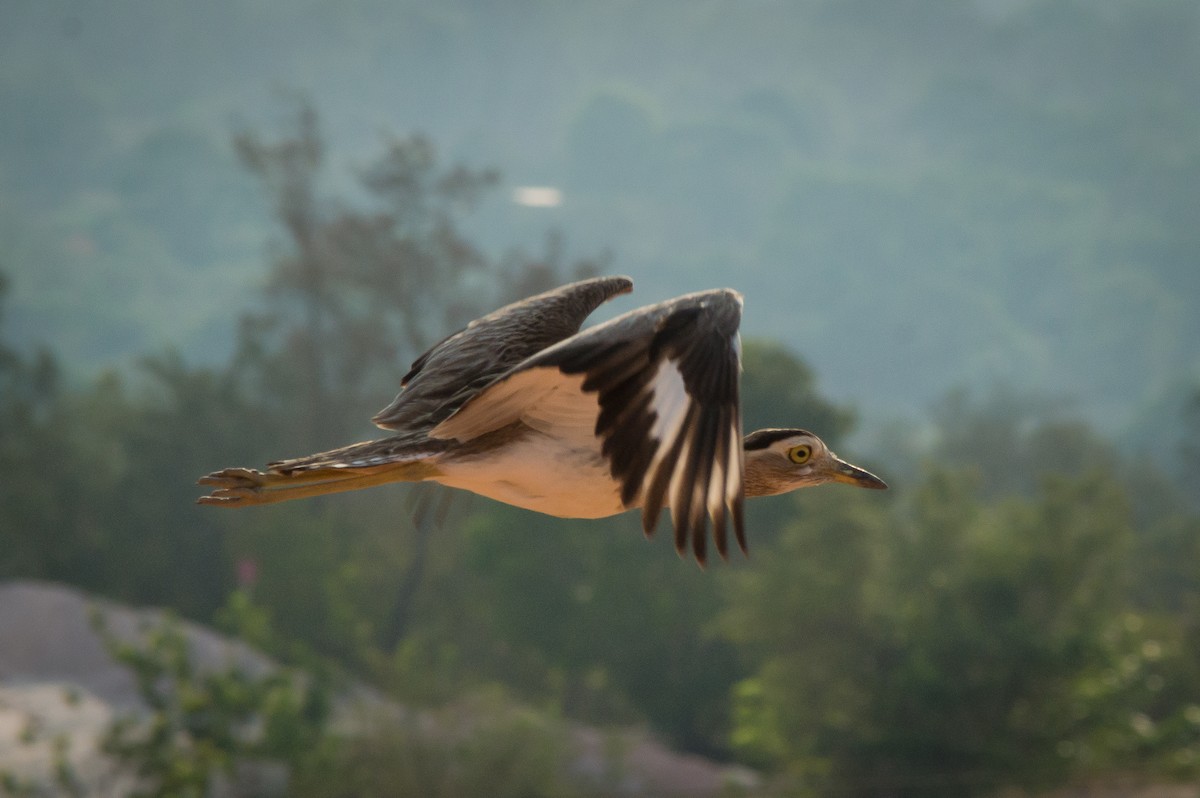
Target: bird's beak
[[841, 471]]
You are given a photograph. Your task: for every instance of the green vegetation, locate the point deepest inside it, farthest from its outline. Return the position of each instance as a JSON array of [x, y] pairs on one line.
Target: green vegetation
[[482, 745], [1021, 610], [201, 725], [270, 733]]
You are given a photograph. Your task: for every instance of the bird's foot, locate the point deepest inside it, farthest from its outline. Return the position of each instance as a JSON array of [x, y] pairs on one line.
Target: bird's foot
[[232, 486]]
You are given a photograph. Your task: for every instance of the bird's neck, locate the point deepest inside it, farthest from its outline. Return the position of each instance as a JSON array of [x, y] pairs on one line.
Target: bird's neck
[[760, 478]]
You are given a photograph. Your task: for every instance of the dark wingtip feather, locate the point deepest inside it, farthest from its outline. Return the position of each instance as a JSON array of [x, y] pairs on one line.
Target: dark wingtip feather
[[739, 524], [700, 541], [682, 527], [719, 535], [650, 520]]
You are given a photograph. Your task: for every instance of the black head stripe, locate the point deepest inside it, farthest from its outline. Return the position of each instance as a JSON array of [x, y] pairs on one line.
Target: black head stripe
[[763, 438]]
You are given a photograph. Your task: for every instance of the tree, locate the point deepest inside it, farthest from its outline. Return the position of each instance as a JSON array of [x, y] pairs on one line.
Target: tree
[[780, 390], [1190, 447], [30, 442], [938, 655], [1017, 617], [355, 293]]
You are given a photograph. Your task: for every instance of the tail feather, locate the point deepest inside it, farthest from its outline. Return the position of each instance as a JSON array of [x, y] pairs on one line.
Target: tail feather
[[402, 458], [242, 487]]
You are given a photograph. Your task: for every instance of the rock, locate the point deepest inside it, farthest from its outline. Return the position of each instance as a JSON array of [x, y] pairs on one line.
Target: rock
[[46, 635], [60, 690], [52, 731]]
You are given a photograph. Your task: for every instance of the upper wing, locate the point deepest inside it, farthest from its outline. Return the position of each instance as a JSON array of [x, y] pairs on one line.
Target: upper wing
[[456, 368], [665, 379]]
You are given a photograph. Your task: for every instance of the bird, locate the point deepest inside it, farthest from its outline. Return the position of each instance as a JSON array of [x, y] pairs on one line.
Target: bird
[[524, 407]]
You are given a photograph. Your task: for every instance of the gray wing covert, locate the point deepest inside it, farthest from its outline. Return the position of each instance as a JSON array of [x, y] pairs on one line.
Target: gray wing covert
[[455, 369]]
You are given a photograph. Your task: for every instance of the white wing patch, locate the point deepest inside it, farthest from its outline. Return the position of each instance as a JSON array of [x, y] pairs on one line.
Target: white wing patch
[[670, 401]]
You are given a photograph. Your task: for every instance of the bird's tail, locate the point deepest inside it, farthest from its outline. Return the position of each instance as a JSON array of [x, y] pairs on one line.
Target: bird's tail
[[350, 468]]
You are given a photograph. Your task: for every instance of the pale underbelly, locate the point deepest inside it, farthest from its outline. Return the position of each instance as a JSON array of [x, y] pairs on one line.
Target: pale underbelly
[[542, 474]]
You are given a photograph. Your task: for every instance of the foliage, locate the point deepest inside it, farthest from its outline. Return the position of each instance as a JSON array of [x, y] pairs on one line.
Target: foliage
[[207, 726], [482, 746], [779, 388], [962, 640], [203, 723], [356, 289], [1190, 447], [119, 466], [63, 778]]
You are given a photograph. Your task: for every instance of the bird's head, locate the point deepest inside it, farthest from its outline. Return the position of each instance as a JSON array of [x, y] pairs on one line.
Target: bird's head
[[780, 460]]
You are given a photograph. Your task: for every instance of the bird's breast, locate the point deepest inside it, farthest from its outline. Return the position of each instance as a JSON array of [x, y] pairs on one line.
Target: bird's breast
[[540, 472]]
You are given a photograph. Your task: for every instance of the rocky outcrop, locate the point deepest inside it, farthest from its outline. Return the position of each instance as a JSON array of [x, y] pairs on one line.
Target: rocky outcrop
[[60, 690]]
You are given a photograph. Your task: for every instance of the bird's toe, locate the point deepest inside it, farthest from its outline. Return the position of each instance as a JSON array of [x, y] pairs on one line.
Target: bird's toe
[[233, 478], [227, 496]]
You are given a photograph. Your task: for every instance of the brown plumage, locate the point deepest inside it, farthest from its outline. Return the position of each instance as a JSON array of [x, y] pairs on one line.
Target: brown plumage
[[641, 411]]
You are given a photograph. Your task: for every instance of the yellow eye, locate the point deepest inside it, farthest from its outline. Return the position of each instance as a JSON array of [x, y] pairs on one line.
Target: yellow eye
[[800, 454]]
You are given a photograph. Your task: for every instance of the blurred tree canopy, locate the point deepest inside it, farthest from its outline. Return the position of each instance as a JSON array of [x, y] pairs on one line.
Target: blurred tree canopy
[[955, 193], [1020, 610]]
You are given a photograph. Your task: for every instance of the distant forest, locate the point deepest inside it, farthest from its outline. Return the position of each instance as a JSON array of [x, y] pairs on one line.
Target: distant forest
[[917, 196]]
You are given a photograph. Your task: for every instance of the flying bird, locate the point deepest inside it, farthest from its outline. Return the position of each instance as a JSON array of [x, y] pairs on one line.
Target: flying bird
[[521, 406]]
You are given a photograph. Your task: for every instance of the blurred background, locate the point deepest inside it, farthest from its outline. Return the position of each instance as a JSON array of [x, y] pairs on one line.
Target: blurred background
[[968, 235]]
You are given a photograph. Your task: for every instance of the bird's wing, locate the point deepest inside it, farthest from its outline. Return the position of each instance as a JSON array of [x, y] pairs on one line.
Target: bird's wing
[[659, 388], [457, 367]]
